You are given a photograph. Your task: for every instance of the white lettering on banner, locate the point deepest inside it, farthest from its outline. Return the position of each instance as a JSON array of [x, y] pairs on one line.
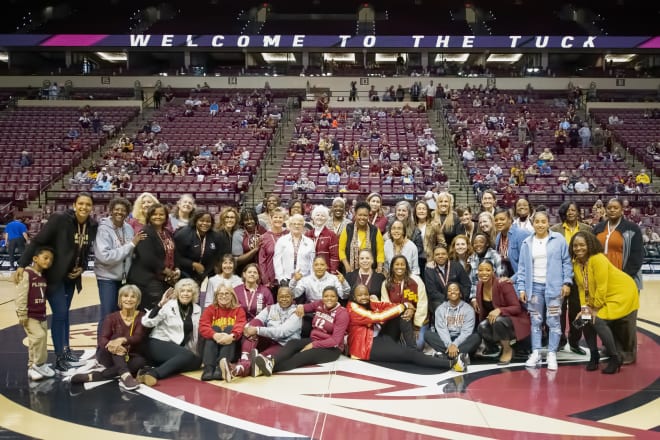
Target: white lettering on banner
[[218, 41], [273, 40], [243, 41], [167, 40], [442, 41], [542, 41], [514, 40], [567, 42], [343, 39], [189, 41], [589, 42], [369, 41], [298, 41], [468, 41], [140, 40], [416, 39]]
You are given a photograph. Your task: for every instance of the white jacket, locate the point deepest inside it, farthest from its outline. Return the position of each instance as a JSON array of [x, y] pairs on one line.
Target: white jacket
[[168, 326], [283, 259]]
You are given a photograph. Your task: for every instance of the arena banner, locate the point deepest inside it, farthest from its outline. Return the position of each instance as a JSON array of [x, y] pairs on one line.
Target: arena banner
[[328, 42]]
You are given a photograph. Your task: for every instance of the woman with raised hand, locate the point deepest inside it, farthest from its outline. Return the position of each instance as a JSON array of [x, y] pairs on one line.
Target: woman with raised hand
[[544, 277], [70, 234], [199, 247], [367, 342], [183, 212], [221, 327], [326, 341], [502, 319], [120, 343], [153, 269], [172, 344], [113, 252], [609, 300]]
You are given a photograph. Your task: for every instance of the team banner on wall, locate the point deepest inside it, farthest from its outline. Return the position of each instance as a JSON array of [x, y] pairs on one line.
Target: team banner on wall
[[331, 41]]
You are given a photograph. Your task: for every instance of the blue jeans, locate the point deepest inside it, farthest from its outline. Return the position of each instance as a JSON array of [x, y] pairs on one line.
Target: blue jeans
[[540, 302], [108, 290], [60, 299]]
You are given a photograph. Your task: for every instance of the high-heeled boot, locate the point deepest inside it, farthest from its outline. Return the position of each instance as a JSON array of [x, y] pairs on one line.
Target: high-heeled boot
[[593, 361], [613, 365]]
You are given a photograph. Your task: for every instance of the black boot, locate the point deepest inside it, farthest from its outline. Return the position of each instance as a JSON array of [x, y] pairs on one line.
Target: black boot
[[208, 373], [613, 365], [593, 361]]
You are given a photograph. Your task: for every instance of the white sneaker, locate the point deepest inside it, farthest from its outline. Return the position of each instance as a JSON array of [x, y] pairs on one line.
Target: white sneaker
[[552, 360], [34, 374], [534, 360], [44, 370]]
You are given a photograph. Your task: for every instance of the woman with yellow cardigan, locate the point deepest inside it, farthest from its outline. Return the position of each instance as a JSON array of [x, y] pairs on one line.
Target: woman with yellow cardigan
[[608, 298]]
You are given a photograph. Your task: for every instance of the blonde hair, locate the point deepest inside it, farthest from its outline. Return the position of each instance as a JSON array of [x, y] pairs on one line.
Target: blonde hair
[[137, 206], [127, 290], [234, 301], [187, 282], [448, 224]]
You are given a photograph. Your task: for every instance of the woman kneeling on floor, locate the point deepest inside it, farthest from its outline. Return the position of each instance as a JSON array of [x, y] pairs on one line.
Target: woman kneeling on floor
[[221, 327], [120, 342], [326, 341], [172, 344]]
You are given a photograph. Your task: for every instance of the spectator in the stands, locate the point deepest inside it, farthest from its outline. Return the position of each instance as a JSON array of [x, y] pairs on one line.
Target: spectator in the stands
[[642, 180], [585, 135], [649, 210], [25, 159], [650, 236], [582, 186], [614, 120]]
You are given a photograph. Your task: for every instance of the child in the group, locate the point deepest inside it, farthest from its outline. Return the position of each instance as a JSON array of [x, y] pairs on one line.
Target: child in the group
[[31, 312]]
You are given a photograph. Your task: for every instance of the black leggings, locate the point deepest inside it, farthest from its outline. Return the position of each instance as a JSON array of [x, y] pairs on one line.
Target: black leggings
[[170, 358], [384, 349], [117, 365], [500, 330], [290, 356], [213, 352]]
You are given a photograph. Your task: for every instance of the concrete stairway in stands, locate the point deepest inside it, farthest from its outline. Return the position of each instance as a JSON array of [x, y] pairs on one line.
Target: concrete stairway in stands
[[272, 163]]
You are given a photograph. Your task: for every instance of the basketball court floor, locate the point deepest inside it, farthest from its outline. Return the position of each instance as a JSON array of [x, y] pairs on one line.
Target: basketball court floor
[[345, 399]]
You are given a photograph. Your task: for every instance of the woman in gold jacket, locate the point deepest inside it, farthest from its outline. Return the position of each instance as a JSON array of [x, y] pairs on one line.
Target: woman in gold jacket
[[608, 298]]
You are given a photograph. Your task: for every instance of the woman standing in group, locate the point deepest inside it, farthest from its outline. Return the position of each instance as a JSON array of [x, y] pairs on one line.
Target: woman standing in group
[[183, 212], [422, 217], [365, 344], [153, 269], [403, 286], [501, 316], [228, 224], [252, 295], [271, 203], [326, 243], [508, 240], [225, 275], [486, 223], [113, 251], [523, 213], [398, 244], [246, 241], [140, 208], [326, 341], [624, 248], [70, 234], [481, 245], [267, 249], [544, 277], [403, 213], [294, 253], [361, 235], [608, 297], [377, 215], [467, 226], [488, 201], [439, 273], [199, 247], [366, 275], [172, 343], [338, 221], [445, 216], [460, 251], [120, 343]]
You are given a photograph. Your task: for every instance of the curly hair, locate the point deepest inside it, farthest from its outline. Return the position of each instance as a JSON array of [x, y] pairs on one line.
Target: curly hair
[[593, 245]]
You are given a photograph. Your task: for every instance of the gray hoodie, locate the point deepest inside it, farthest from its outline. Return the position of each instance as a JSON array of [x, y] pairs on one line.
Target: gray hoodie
[[113, 250], [454, 324]]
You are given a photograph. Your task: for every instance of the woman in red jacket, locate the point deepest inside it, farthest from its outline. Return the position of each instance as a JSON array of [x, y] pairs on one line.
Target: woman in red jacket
[[326, 341], [501, 317], [367, 343], [221, 326]]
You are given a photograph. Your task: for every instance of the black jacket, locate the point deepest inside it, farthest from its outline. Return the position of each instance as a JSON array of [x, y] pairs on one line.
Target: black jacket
[[436, 291], [59, 234], [188, 251], [148, 260]]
